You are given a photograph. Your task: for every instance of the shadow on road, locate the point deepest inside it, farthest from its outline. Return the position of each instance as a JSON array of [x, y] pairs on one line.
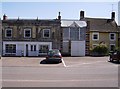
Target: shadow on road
[[115, 62], [44, 61]]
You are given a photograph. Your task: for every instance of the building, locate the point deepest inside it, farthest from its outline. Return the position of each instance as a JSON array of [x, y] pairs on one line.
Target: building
[[73, 37], [30, 37], [119, 37], [100, 30], [0, 37], [119, 13]]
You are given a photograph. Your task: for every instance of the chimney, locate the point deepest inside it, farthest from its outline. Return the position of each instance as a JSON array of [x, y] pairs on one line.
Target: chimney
[[4, 17], [59, 17], [113, 15], [81, 14]]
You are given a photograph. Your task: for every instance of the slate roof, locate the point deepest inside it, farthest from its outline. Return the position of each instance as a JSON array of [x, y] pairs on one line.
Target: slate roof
[[31, 21], [73, 23], [102, 25]]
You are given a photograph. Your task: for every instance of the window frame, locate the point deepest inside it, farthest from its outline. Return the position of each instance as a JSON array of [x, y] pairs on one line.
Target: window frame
[[114, 37], [32, 47], [44, 33], [96, 33], [9, 48], [6, 32], [27, 29]]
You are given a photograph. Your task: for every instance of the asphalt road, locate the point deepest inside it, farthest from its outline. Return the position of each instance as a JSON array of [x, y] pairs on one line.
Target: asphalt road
[[72, 72]]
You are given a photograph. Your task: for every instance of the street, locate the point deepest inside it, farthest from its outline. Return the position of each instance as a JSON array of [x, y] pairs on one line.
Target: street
[[72, 72]]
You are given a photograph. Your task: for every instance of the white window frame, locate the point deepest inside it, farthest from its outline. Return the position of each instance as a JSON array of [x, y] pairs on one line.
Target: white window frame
[[33, 47], [44, 34], [11, 51], [114, 37], [95, 33], [25, 30], [6, 32]]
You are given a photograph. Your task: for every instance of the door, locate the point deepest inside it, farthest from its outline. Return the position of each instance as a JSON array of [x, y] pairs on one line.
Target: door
[[77, 48], [26, 49]]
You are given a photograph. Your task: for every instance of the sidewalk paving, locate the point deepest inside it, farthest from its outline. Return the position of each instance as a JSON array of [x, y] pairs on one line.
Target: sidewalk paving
[[21, 61]]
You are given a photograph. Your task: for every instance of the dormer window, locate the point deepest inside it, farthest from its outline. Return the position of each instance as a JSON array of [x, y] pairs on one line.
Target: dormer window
[[8, 33], [27, 33]]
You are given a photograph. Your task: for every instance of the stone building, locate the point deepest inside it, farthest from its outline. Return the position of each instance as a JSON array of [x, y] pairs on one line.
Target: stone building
[[30, 37], [100, 30]]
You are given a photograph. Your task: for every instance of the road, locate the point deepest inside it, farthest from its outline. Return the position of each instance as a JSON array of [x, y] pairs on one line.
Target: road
[[72, 72]]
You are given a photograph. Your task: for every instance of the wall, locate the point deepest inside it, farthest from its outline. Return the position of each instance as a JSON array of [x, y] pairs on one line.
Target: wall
[[119, 13], [0, 37], [103, 37]]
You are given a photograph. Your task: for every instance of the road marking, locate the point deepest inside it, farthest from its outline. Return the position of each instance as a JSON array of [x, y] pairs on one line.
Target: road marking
[[86, 63], [63, 63], [7, 80]]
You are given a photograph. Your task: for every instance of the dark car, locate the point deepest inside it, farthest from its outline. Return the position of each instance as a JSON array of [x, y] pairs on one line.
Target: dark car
[[54, 55], [114, 56]]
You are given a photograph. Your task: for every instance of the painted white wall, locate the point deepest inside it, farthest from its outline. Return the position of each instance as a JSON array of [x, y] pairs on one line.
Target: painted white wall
[[77, 48], [22, 46], [119, 13]]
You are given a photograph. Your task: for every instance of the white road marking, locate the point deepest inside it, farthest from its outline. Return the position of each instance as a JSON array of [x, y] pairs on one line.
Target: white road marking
[[63, 63], [87, 63], [8, 80]]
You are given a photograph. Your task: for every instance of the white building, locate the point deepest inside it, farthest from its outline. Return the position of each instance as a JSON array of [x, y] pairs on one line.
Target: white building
[[119, 13]]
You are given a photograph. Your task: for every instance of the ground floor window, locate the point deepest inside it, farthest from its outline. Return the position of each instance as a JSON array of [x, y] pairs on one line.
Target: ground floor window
[[33, 47], [112, 47], [43, 48], [10, 48]]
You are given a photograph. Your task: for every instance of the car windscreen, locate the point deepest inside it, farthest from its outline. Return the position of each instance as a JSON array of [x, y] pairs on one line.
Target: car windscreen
[[53, 52]]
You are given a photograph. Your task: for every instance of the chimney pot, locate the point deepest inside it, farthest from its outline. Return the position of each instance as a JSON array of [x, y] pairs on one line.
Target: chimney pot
[[59, 17], [81, 14], [4, 17], [113, 15]]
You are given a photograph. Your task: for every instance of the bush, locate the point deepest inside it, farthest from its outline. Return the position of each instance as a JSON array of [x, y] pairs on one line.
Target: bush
[[100, 50]]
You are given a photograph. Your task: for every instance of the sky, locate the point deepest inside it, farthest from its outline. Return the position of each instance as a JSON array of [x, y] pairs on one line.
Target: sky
[[49, 10]]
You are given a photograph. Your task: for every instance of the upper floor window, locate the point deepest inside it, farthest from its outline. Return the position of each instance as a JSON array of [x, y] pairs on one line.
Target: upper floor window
[[112, 36], [27, 33], [46, 33], [8, 33], [95, 36]]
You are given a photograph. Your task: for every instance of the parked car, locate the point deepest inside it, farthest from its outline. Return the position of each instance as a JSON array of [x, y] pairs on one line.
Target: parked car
[[114, 56], [54, 55]]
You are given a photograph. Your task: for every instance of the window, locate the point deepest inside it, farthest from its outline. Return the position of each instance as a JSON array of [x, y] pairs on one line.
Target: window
[[33, 47], [74, 34], [46, 33], [43, 48], [112, 36], [10, 48], [112, 47], [95, 36], [8, 33], [27, 33]]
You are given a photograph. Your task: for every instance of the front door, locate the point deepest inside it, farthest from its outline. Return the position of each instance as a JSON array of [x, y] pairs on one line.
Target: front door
[[26, 49]]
